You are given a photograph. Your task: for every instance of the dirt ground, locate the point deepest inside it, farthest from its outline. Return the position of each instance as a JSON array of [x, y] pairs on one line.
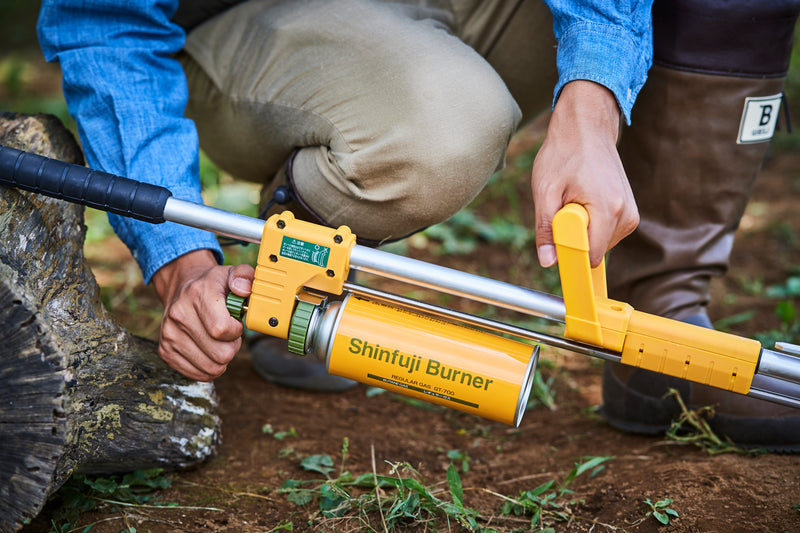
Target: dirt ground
[[723, 493]]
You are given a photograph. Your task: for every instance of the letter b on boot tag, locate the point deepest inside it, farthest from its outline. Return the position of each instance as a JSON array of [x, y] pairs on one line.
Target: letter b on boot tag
[[759, 118]]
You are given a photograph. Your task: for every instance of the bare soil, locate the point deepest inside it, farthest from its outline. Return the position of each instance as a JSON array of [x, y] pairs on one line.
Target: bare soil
[[723, 493]]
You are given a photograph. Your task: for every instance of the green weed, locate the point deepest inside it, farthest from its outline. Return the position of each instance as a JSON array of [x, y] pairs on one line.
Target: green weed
[[786, 294], [789, 289], [789, 328], [284, 525], [394, 500], [551, 502], [753, 287], [728, 322], [465, 231], [692, 427], [81, 494], [784, 233], [661, 510], [401, 499], [542, 392]]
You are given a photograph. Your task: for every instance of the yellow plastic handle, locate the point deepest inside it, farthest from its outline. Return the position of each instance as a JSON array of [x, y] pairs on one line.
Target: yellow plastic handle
[[647, 341], [591, 317]]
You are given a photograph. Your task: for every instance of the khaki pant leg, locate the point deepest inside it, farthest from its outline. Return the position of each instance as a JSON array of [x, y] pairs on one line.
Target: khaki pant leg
[[400, 123], [516, 38]]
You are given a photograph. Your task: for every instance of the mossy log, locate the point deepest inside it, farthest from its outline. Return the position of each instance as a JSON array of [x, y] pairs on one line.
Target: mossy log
[[78, 392]]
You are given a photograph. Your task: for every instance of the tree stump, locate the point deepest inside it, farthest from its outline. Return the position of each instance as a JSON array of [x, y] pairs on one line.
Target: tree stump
[[78, 392]]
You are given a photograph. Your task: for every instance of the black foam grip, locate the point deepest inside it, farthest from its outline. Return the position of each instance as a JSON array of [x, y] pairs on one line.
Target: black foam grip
[[82, 185]]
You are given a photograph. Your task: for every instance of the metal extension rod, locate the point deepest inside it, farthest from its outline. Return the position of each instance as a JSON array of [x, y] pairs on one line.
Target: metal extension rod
[[399, 268]]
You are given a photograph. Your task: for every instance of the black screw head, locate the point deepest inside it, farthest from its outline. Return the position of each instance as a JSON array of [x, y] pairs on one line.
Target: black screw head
[[330, 273], [273, 258], [337, 239], [273, 322], [281, 224]]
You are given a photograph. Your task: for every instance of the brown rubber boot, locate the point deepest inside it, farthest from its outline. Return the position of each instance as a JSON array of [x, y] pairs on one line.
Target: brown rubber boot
[[697, 142]]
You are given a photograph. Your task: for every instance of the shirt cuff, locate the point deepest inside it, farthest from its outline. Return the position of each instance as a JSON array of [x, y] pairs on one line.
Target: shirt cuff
[[604, 54], [155, 245]]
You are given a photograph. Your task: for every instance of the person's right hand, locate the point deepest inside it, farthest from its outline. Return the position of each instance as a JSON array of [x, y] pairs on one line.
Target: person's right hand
[[198, 336], [579, 163]]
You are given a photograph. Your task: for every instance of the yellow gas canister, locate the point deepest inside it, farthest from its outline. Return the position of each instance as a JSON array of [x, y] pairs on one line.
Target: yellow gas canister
[[424, 357]]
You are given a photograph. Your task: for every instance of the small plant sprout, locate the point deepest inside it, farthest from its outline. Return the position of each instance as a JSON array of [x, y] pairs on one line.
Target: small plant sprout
[[267, 429], [543, 392], [661, 511], [459, 456]]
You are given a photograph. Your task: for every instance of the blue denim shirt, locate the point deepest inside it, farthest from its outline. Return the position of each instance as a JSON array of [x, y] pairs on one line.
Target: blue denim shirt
[[608, 42], [128, 94]]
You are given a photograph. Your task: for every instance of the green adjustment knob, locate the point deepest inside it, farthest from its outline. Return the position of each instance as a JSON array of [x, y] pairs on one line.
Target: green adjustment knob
[[298, 328], [235, 305]]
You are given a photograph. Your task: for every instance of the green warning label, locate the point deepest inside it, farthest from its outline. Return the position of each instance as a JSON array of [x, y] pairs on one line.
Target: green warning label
[[307, 252]]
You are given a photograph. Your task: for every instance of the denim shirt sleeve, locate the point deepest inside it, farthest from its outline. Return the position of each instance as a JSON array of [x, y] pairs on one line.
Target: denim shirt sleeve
[[605, 41], [127, 95]]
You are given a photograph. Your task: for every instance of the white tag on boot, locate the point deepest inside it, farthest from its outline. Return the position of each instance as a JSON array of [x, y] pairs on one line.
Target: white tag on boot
[[759, 118]]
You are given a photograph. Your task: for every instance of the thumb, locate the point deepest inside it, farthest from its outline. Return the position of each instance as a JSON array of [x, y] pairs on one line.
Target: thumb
[[547, 255], [240, 279], [545, 248]]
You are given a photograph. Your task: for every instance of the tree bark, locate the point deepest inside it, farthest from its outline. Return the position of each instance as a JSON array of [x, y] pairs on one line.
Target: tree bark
[[78, 392]]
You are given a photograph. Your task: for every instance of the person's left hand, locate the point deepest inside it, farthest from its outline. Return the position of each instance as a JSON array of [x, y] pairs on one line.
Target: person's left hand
[[198, 336]]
